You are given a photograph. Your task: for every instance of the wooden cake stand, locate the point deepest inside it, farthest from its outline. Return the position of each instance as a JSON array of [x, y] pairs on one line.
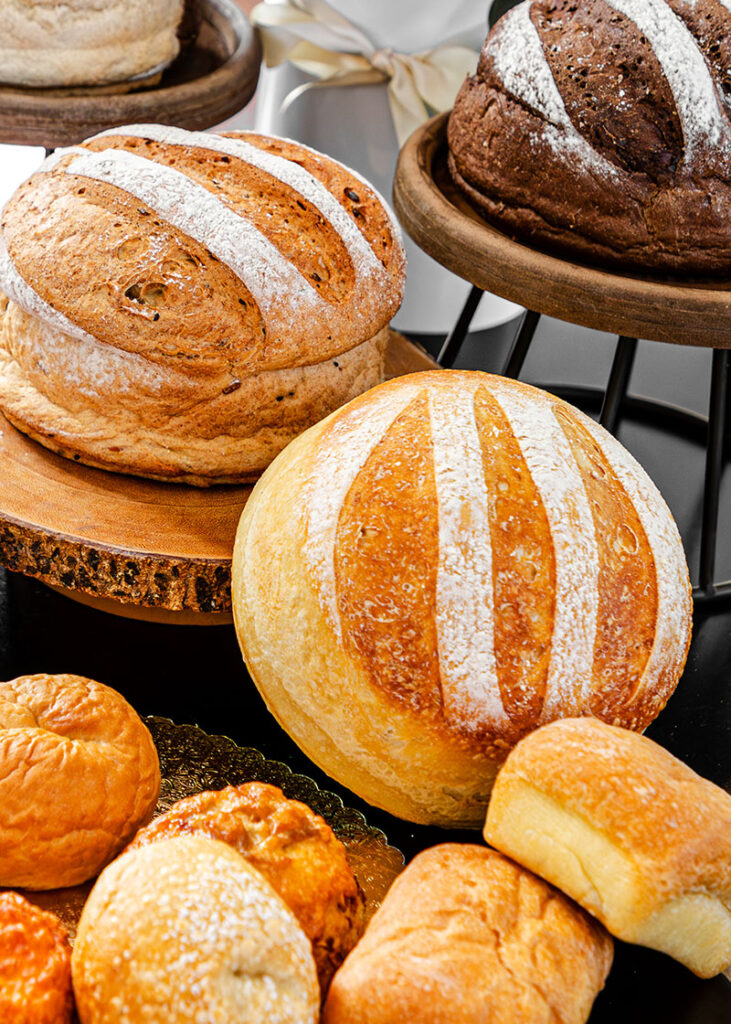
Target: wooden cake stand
[[155, 551], [210, 81], [440, 220]]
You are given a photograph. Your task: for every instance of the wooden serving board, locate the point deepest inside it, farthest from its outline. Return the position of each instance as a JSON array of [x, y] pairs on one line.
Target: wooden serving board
[[210, 81], [135, 547], [440, 220]]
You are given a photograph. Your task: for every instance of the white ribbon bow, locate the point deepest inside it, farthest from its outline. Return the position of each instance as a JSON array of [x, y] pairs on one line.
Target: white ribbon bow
[[321, 42]]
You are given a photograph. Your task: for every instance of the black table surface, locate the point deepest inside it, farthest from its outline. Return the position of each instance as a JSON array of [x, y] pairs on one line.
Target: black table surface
[[196, 675]]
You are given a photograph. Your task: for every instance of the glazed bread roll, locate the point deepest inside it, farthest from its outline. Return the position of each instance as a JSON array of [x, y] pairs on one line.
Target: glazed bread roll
[[35, 964], [293, 848], [79, 774], [627, 830], [465, 936], [185, 930], [445, 564], [86, 42], [602, 129], [183, 304]]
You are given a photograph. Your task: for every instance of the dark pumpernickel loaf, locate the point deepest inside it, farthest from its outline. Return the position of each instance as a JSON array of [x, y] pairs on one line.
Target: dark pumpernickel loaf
[[601, 129]]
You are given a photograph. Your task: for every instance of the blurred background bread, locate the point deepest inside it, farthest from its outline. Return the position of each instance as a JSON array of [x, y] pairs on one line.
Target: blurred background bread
[[79, 774], [35, 965], [627, 830], [445, 564]]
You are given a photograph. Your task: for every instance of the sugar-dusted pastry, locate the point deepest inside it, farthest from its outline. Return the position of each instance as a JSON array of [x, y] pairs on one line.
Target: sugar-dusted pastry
[[466, 936], [602, 129], [183, 304], [627, 830], [295, 850], [445, 564], [35, 964], [185, 930], [79, 774]]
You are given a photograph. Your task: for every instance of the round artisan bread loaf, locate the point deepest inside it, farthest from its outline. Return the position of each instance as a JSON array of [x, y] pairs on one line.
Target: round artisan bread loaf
[[627, 830], [292, 847], [602, 129], [183, 304], [87, 42], [185, 930], [466, 936], [35, 964], [448, 562], [79, 774]]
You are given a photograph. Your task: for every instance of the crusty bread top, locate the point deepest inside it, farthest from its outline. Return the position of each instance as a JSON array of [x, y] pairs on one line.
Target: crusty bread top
[[189, 249], [675, 824]]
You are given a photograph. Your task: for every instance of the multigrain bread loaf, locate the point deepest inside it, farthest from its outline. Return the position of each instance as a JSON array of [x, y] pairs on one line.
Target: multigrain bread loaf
[[448, 562], [466, 936], [184, 304], [627, 830], [35, 964], [292, 847], [79, 774], [602, 129], [185, 930], [88, 42]]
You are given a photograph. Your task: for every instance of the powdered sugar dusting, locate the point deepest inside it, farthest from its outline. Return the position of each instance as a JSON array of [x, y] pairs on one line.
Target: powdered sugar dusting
[[553, 468], [338, 460], [464, 612], [674, 606], [704, 122]]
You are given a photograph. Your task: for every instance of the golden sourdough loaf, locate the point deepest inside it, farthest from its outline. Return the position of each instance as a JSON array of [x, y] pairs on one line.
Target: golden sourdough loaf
[[86, 42], [448, 562], [183, 304], [466, 936], [79, 774], [627, 830]]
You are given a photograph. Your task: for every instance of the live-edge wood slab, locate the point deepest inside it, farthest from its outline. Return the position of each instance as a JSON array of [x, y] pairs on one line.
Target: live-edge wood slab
[[123, 544], [440, 220]]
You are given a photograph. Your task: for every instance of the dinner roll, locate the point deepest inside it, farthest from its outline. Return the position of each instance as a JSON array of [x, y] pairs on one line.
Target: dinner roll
[[79, 774], [185, 930], [293, 848], [182, 304], [465, 936], [448, 562], [627, 830], [35, 964]]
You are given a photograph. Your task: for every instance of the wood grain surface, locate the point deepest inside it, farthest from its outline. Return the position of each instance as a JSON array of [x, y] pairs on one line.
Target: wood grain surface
[[442, 222], [115, 538], [209, 82]]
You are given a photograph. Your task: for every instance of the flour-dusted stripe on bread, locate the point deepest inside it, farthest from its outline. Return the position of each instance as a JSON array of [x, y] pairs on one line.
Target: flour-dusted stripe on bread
[[553, 467], [464, 610]]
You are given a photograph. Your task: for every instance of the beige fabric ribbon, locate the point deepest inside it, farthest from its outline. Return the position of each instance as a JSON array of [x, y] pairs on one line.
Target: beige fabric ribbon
[[321, 42]]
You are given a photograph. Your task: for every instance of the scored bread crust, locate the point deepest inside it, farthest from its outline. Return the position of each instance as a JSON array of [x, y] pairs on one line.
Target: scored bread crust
[[625, 829], [180, 305], [79, 774], [464, 936]]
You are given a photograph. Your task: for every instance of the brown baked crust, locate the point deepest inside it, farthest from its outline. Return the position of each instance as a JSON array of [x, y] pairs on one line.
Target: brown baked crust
[[465, 935], [133, 345], [79, 774], [627, 174], [465, 558], [665, 833], [295, 850], [35, 964]]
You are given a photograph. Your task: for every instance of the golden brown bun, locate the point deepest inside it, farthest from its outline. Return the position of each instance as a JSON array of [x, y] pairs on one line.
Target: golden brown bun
[[448, 562], [627, 830], [185, 930], [184, 304], [293, 848], [79, 774], [466, 936], [35, 964]]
